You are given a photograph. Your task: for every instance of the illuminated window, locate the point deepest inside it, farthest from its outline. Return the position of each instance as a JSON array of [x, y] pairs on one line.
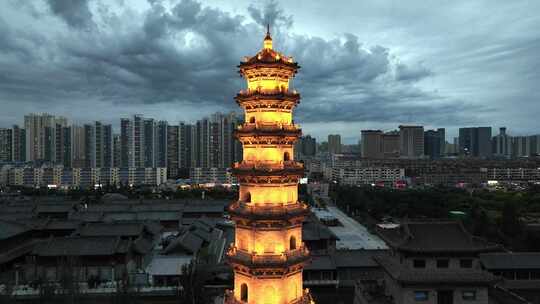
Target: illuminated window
[[292, 243], [244, 292]]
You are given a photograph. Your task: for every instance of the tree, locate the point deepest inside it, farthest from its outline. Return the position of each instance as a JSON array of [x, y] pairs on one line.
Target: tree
[[510, 224]]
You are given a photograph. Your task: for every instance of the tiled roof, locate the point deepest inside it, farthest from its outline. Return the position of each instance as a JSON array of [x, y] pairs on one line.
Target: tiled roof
[[431, 236], [321, 262], [111, 229], [314, 231], [55, 208], [423, 276], [508, 260], [269, 56], [357, 258], [81, 246], [186, 243], [9, 229]]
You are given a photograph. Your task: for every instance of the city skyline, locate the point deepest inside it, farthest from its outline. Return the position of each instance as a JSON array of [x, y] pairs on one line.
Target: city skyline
[[170, 61]]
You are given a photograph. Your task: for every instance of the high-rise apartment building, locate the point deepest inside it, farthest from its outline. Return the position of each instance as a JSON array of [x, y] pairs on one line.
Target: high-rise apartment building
[[334, 144], [18, 144], [116, 151], [411, 141], [372, 144], [390, 144], [89, 146], [78, 147], [186, 145], [63, 146], [535, 144], [306, 146], [149, 143], [132, 142], [107, 146], [6, 145], [502, 144], [433, 143], [475, 141], [521, 146], [41, 136], [161, 144], [173, 153]]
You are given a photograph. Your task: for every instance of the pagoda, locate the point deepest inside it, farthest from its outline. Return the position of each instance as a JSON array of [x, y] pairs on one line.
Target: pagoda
[[268, 254]]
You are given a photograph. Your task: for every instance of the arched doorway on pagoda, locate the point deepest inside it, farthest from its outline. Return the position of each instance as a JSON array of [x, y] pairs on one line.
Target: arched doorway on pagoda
[[244, 292], [292, 243]]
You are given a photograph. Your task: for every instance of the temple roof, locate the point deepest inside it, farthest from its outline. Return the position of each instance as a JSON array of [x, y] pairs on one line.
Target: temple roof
[[267, 55], [434, 237], [511, 260]]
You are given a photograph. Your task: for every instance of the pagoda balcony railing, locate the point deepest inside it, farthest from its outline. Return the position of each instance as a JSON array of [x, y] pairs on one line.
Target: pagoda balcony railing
[[268, 127], [268, 165], [268, 92], [268, 211], [304, 299], [267, 260]]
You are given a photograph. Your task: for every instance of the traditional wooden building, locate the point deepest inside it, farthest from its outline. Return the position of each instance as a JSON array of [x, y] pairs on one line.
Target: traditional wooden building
[[430, 262], [268, 254]]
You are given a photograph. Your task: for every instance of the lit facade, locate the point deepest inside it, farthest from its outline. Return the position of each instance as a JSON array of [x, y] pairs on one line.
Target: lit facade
[[268, 255]]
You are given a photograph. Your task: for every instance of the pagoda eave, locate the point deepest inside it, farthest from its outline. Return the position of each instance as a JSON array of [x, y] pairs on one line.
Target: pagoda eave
[[245, 212]]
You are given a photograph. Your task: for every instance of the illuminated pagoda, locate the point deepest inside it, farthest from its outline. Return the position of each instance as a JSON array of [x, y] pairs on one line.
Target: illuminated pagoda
[[268, 255]]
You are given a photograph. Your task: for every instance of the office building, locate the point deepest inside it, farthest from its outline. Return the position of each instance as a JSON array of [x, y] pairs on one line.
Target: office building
[[411, 141]]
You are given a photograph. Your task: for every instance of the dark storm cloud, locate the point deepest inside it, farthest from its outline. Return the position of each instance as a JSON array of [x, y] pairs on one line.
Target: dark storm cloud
[[186, 55], [76, 13]]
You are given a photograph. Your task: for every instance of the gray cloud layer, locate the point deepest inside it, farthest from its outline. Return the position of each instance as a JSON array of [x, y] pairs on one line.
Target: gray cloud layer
[[102, 60]]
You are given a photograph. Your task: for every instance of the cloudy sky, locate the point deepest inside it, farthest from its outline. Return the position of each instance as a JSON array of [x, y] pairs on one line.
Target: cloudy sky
[[365, 64]]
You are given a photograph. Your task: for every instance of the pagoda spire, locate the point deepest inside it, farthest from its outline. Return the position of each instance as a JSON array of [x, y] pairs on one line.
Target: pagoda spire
[[267, 44]]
